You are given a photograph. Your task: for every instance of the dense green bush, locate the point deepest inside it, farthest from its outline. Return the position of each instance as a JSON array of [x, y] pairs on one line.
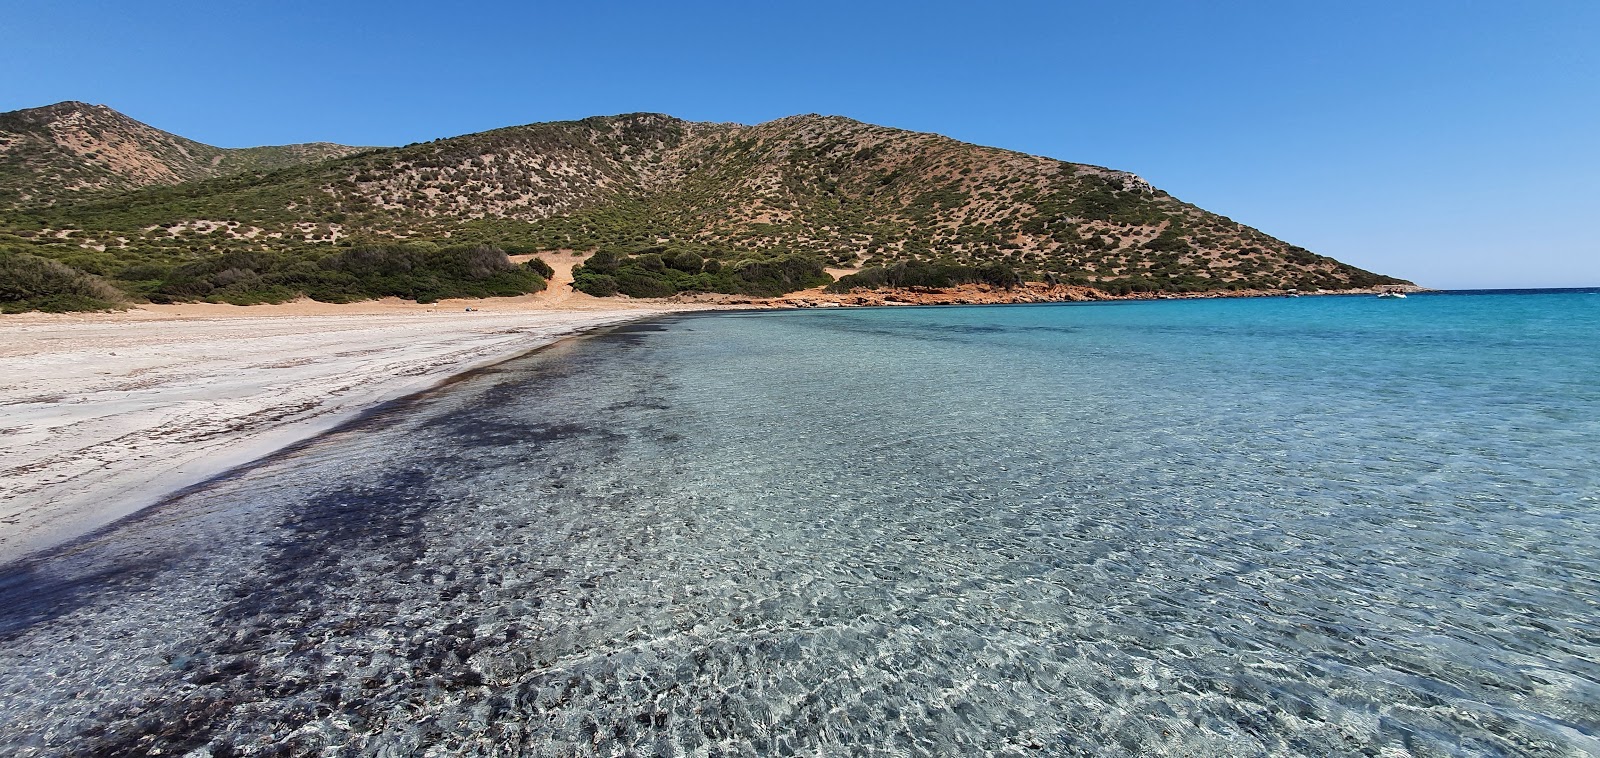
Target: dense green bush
[[539, 267], [660, 272], [414, 272], [642, 282], [599, 285], [31, 283], [776, 276], [688, 261]]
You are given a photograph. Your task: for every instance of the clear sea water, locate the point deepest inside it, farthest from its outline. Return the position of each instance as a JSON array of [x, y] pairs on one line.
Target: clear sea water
[[1313, 526]]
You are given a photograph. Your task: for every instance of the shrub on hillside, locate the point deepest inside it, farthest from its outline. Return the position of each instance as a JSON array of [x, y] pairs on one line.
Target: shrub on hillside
[[413, 272], [656, 271], [31, 283], [599, 285], [687, 261], [776, 276], [538, 266]]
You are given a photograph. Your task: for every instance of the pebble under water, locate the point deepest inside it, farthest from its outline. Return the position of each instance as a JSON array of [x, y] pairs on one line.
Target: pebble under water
[[1324, 526]]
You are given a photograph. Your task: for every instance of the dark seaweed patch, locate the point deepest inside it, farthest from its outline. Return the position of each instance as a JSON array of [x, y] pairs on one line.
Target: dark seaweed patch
[[29, 596], [482, 430], [638, 328], [319, 540]]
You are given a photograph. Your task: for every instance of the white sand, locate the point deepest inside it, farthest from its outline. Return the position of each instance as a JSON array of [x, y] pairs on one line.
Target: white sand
[[102, 415]]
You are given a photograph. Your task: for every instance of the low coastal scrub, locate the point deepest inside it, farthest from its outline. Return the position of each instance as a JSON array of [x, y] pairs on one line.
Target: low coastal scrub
[[927, 274], [31, 283], [660, 271], [418, 271], [415, 272]]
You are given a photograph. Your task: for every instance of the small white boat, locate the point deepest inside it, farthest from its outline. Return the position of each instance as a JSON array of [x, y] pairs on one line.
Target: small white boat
[[1392, 294]]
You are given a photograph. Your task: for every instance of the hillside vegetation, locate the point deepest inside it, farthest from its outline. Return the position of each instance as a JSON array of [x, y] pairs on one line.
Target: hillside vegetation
[[31, 283], [670, 206], [59, 152]]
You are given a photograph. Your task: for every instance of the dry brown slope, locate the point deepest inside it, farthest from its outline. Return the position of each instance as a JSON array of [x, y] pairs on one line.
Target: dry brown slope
[[849, 193], [56, 151], [860, 194]]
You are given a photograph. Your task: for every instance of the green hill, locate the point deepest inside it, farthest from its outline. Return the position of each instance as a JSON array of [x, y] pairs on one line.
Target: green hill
[[675, 205], [59, 152]]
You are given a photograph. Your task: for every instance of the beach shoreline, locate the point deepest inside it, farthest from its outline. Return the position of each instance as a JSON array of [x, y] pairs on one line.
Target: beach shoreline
[[107, 414]]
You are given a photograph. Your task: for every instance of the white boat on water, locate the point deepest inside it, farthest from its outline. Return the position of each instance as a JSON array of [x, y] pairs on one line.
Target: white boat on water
[[1392, 294]]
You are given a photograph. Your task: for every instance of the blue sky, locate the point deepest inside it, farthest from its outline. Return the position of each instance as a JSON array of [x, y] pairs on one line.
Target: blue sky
[[1453, 143]]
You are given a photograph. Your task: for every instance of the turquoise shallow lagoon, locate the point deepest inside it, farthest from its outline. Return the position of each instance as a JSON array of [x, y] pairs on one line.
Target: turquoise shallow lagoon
[[1311, 526]]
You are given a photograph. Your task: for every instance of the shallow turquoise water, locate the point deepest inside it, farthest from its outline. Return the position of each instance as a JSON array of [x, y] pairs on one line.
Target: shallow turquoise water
[[1318, 526]]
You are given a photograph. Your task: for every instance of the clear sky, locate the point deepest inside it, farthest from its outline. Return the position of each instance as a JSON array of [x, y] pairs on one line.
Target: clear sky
[[1453, 142]]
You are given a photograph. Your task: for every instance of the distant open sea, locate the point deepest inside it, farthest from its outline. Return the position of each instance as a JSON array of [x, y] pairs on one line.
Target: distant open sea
[[1310, 526]]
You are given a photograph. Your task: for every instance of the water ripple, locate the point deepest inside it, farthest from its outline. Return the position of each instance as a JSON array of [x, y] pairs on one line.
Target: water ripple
[[979, 530]]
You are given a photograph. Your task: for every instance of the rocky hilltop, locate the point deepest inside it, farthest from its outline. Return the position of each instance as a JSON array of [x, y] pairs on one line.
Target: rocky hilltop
[[58, 151], [675, 206]]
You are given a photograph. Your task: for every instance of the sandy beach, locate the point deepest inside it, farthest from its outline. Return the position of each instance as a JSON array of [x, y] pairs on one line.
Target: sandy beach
[[106, 414]]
